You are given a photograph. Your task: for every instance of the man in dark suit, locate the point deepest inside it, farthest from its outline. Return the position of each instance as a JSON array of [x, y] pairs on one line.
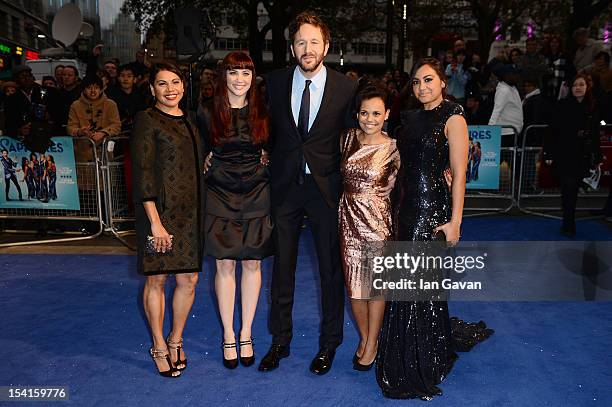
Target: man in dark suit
[[309, 105]]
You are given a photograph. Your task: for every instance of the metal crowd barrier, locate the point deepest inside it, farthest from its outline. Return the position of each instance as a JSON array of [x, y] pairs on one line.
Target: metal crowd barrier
[[485, 202], [538, 191], [105, 196], [119, 219], [89, 186]]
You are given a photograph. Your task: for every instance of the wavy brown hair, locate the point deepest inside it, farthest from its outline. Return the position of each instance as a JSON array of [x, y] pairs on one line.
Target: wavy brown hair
[[221, 114], [308, 17]]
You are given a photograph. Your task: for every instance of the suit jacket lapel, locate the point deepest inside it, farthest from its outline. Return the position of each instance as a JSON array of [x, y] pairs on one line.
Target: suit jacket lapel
[[289, 106]]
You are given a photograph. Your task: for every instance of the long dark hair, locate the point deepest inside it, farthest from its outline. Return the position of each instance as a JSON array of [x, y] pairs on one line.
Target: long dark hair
[[221, 114], [434, 64]]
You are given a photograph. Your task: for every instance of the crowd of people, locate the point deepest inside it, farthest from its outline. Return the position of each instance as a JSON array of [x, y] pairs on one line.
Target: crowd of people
[[235, 179]]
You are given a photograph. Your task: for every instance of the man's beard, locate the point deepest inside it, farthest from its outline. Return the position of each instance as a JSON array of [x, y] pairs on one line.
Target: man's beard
[[318, 61]]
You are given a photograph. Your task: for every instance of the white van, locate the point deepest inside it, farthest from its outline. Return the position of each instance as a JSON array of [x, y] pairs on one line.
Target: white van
[[46, 67]]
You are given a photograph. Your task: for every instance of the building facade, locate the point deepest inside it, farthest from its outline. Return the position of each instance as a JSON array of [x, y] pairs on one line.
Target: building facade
[[23, 31], [112, 28]]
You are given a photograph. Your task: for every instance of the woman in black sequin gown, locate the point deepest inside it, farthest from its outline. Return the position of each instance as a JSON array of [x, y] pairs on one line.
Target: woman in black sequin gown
[[417, 343]]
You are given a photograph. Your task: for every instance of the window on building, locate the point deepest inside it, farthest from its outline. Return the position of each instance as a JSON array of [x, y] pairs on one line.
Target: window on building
[[16, 29], [368, 48], [3, 24], [231, 44], [267, 46], [336, 46]]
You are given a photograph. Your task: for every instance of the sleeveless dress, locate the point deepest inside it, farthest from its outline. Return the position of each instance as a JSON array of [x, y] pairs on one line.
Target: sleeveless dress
[[238, 225], [364, 211], [418, 340]]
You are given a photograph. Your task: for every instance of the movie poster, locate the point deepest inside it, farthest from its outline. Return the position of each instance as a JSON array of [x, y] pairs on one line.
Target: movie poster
[[41, 181], [483, 157]]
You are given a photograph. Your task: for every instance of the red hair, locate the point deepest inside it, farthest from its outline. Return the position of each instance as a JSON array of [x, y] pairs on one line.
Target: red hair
[[221, 114]]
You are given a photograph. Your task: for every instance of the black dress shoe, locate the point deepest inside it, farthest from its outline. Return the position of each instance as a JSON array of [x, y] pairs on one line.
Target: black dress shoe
[[270, 361], [323, 361]]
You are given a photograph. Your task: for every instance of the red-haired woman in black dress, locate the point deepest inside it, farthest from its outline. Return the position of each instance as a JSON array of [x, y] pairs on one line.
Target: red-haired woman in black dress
[[238, 224]]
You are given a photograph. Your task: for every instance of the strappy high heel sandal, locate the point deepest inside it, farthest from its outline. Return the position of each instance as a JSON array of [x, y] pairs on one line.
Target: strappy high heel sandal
[[164, 355], [247, 361], [177, 346], [229, 363]]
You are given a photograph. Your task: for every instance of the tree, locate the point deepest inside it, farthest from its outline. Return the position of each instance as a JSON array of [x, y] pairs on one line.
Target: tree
[[347, 20], [583, 13], [495, 17]]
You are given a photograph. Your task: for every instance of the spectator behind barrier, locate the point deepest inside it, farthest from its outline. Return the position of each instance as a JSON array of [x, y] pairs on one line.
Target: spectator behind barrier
[[140, 64], [507, 108], [70, 92], [8, 88], [110, 67], [601, 72], [586, 50], [205, 107], [93, 116], [457, 77], [476, 112], [129, 101], [532, 64], [49, 82], [560, 68], [31, 112], [537, 109], [574, 147], [59, 75]]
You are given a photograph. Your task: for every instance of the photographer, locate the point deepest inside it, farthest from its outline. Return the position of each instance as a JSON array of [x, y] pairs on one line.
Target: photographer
[[31, 113]]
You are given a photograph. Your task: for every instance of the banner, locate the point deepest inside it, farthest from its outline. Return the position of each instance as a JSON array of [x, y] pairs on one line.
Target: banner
[[39, 181], [483, 157]]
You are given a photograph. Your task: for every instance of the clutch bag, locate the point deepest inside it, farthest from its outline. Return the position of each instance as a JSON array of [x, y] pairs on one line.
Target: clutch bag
[[150, 246]]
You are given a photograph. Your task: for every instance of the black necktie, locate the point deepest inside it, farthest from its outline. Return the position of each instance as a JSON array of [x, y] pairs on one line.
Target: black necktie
[[303, 118], [304, 114]]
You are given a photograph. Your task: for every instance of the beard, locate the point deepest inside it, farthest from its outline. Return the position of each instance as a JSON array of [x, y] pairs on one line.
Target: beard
[[318, 60]]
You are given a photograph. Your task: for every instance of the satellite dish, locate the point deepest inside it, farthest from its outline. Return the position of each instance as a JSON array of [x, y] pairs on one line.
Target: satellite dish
[[67, 24], [87, 30]]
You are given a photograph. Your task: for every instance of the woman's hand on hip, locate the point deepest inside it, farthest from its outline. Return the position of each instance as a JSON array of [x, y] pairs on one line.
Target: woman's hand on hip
[[452, 232]]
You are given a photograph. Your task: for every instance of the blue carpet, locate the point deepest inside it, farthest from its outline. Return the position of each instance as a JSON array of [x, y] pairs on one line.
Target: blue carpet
[[76, 321]]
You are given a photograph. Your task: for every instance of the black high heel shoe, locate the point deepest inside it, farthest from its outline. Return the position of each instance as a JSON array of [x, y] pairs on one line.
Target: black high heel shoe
[[164, 354], [229, 363], [363, 368], [177, 346], [247, 361]]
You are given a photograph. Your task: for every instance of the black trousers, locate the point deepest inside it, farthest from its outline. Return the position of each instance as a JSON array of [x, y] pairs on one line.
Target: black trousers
[[7, 187], [569, 197], [323, 221], [608, 207]]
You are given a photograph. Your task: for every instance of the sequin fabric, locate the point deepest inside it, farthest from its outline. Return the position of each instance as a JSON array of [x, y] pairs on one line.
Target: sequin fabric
[[369, 173], [416, 348]]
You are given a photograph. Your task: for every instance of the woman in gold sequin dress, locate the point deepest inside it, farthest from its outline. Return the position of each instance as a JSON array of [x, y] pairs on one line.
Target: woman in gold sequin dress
[[370, 162]]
